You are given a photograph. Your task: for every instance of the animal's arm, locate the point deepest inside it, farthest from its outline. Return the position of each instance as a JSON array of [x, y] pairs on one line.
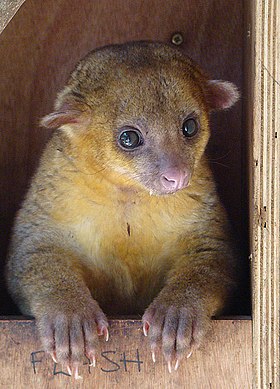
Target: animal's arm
[[207, 269], [47, 284], [196, 288]]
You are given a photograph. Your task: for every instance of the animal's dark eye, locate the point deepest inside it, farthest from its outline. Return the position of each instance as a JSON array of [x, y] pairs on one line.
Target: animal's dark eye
[[190, 127], [130, 139]]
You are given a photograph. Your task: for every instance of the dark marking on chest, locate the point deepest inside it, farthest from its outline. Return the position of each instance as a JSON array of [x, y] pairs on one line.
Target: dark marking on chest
[[128, 229]]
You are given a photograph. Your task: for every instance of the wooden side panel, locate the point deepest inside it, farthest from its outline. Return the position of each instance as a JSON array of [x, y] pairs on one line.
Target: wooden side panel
[[8, 9], [265, 194], [125, 361]]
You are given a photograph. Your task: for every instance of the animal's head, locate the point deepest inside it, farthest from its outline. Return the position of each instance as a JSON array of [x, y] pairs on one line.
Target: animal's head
[[140, 110]]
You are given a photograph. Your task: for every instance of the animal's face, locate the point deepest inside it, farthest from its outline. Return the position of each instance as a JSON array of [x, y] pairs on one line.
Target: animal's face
[[156, 129], [144, 116]]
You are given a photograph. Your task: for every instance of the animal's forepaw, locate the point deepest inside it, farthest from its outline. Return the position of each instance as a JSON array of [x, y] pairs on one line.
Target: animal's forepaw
[[69, 334], [176, 330]]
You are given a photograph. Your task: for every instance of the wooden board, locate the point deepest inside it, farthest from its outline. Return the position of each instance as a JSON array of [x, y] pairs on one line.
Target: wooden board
[[125, 361], [45, 39], [8, 9], [263, 114]]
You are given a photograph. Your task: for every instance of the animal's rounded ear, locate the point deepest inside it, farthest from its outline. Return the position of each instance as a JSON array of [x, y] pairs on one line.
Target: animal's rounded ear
[[221, 94], [59, 118], [65, 114]]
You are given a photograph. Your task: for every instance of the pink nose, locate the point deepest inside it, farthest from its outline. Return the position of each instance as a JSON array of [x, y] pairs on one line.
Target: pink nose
[[174, 179]]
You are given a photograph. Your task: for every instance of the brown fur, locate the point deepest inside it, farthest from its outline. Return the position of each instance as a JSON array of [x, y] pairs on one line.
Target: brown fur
[[95, 222]]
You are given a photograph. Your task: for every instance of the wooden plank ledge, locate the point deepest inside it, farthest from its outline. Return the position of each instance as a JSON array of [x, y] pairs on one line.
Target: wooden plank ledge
[[125, 360]]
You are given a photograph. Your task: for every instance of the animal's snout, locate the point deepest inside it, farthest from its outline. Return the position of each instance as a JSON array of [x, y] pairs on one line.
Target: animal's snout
[[174, 179]]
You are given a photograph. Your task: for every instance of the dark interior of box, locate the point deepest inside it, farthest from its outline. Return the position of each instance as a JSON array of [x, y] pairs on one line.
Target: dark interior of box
[[44, 41]]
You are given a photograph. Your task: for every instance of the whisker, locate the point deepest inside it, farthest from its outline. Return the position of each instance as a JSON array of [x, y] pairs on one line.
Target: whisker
[[219, 163]]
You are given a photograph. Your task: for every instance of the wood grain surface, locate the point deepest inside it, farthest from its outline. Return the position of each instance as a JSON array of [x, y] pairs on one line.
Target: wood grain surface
[[264, 119], [45, 39], [125, 361], [8, 9]]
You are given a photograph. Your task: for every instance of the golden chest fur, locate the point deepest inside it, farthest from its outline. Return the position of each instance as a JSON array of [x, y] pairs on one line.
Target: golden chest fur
[[126, 241]]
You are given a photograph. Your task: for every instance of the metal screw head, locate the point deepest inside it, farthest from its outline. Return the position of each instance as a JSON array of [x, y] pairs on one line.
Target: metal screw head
[[177, 39]]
